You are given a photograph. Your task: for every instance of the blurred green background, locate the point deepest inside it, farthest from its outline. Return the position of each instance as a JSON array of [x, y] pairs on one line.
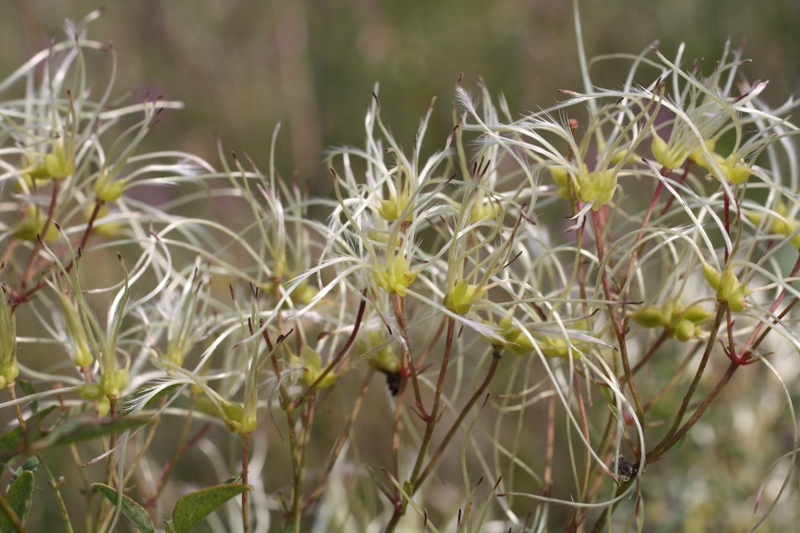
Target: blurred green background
[[241, 66]]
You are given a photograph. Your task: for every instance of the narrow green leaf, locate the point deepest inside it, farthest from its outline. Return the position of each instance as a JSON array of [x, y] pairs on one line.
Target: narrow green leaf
[[234, 479], [28, 389], [132, 510], [19, 497], [28, 466], [195, 506], [170, 528], [85, 429]]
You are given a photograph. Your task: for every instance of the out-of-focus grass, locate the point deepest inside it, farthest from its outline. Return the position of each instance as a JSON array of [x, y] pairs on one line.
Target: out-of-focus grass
[[243, 65]]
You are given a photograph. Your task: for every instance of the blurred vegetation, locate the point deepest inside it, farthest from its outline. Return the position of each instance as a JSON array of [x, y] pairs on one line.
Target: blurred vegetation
[[241, 66]]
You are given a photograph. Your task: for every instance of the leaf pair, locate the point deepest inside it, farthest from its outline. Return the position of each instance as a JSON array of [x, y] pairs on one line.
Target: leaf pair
[[188, 513]]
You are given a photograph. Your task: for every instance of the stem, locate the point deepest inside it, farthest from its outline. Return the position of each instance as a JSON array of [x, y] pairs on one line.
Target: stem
[[23, 295], [661, 447], [396, 421], [457, 423], [619, 330], [434, 414], [179, 450], [407, 360], [300, 471], [28, 271], [55, 485], [109, 480], [329, 368], [245, 464], [698, 413]]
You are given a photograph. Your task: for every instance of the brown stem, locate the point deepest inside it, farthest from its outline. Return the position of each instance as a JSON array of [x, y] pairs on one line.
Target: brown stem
[[433, 417], [619, 330], [407, 361], [329, 368], [457, 423], [28, 271], [712, 336], [179, 450], [697, 414]]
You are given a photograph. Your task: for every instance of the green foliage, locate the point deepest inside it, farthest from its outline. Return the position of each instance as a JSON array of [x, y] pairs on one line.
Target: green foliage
[[19, 498]]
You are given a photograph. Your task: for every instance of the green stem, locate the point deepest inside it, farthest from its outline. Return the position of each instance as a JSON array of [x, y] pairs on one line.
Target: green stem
[[55, 485], [245, 465]]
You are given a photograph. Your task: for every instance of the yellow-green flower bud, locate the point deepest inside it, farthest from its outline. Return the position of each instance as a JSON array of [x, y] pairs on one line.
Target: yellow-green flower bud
[[391, 209], [650, 316], [697, 314], [108, 190], [103, 406], [312, 369], [788, 229], [736, 301], [463, 296], [233, 411], [9, 371], [396, 278], [518, 343], [684, 330], [33, 225], [80, 345], [480, 210], [91, 391], [554, 347], [711, 275], [384, 358], [304, 292], [58, 164], [114, 382], [668, 158], [732, 292], [697, 156], [106, 229], [598, 187]]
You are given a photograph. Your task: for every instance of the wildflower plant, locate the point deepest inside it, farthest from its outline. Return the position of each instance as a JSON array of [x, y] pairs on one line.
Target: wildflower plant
[[556, 303]]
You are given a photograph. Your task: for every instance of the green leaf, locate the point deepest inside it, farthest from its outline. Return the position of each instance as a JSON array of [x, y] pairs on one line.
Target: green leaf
[[28, 466], [85, 429], [28, 389], [234, 479], [12, 442], [132, 510], [19, 497], [195, 506]]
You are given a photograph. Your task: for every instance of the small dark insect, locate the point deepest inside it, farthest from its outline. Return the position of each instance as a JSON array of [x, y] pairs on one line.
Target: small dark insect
[[625, 470], [393, 380]]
